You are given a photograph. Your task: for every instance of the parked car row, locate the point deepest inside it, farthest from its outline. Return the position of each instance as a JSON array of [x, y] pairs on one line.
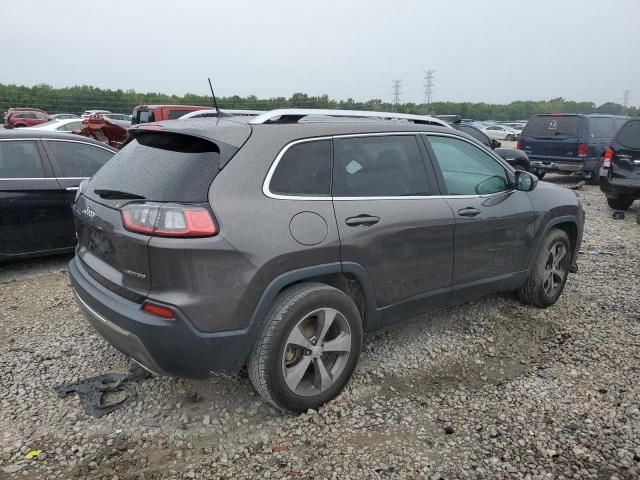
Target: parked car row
[[30, 117]]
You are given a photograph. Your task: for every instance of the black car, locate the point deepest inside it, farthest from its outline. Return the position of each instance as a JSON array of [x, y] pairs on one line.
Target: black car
[[514, 157], [620, 172], [39, 176]]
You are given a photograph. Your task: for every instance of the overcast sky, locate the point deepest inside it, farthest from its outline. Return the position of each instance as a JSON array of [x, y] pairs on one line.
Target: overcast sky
[[490, 51]]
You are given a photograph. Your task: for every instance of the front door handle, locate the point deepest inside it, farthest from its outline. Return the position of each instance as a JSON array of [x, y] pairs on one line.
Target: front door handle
[[468, 212], [364, 220]]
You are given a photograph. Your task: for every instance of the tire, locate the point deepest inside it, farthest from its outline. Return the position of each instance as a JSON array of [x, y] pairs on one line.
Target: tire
[[509, 138], [536, 290], [521, 166], [306, 305], [540, 174], [620, 203], [593, 179]]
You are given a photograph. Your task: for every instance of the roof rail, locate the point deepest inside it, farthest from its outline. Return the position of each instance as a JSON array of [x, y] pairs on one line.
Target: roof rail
[[292, 115]]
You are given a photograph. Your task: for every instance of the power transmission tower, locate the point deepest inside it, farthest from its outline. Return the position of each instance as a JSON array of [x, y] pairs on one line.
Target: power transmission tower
[[428, 86], [625, 99], [396, 92]]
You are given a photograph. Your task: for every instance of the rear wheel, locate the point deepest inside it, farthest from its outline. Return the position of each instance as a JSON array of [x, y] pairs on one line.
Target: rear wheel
[[509, 138], [540, 174], [549, 272], [308, 347], [620, 203], [593, 178]]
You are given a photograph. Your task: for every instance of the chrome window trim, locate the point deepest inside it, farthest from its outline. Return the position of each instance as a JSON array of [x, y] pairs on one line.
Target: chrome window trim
[[267, 192], [2, 179], [45, 139]]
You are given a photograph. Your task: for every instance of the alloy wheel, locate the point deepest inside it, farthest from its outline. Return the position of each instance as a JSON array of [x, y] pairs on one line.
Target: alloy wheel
[[555, 269], [316, 352]]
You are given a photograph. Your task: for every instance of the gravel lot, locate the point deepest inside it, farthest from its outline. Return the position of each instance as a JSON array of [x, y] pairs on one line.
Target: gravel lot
[[492, 389]]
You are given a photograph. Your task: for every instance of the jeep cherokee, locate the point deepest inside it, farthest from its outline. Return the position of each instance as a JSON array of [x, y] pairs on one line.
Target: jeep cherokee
[[275, 242]]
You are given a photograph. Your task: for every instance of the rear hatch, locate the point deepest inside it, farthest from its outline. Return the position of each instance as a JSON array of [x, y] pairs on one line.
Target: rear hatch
[[142, 192], [625, 164], [552, 137]]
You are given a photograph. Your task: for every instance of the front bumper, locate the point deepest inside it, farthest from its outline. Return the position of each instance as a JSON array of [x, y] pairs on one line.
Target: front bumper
[[165, 347]]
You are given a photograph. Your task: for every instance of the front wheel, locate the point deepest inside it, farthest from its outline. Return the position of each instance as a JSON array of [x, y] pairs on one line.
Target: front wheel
[[308, 347], [510, 138], [620, 203], [549, 271]]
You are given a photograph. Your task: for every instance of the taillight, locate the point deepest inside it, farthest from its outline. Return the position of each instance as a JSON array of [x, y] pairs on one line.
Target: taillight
[[608, 157], [519, 145], [158, 310], [582, 150], [168, 221]]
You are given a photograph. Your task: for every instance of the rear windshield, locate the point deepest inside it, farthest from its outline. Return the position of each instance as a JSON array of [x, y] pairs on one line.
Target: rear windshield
[[162, 167], [553, 126], [629, 135]]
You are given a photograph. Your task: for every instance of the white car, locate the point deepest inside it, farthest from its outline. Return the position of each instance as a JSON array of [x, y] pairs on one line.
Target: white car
[[88, 113], [214, 113], [60, 125], [501, 132]]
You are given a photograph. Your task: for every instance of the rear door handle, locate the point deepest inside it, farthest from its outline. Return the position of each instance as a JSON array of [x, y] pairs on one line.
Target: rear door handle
[[468, 212], [365, 220]]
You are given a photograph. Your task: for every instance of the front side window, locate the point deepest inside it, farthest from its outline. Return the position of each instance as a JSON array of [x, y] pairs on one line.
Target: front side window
[[467, 169], [73, 159], [379, 166], [304, 169], [20, 159]]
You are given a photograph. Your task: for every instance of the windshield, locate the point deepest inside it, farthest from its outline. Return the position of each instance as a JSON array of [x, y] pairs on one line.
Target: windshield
[[553, 126]]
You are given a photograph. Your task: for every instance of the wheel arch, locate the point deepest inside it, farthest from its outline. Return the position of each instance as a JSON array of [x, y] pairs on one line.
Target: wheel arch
[[351, 278], [568, 224]]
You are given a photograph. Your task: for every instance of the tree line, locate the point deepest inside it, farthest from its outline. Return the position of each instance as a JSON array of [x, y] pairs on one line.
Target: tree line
[[77, 99]]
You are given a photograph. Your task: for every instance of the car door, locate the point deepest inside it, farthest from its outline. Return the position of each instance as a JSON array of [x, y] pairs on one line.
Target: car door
[[72, 162], [494, 223], [392, 223], [32, 213]]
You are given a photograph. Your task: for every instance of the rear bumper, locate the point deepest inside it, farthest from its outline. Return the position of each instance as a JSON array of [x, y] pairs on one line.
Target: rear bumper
[[582, 165], [614, 187], [165, 347]]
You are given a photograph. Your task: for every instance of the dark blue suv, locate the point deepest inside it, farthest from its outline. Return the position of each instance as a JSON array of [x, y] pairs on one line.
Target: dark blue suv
[[568, 142]]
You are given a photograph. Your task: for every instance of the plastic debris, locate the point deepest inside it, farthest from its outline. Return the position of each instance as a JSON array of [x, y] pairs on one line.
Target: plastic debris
[[32, 454], [92, 390], [618, 215]]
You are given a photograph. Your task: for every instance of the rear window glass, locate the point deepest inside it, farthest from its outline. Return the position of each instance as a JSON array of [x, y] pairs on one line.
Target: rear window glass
[[629, 135], [304, 169], [601, 127], [162, 167], [553, 126]]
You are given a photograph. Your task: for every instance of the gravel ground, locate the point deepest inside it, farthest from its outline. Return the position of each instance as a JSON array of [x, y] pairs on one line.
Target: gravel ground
[[491, 389]]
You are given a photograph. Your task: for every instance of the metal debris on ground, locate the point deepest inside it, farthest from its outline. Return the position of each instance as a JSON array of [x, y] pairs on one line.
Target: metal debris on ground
[[618, 215], [93, 389]]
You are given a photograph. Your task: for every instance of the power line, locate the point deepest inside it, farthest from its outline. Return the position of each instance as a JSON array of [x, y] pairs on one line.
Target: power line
[[428, 86], [625, 99], [396, 91]]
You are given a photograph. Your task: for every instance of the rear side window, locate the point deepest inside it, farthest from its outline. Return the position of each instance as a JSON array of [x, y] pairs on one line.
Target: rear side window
[[601, 127], [475, 133], [20, 159], [304, 169], [173, 114], [163, 167], [553, 126], [629, 135], [72, 159], [381, 166]]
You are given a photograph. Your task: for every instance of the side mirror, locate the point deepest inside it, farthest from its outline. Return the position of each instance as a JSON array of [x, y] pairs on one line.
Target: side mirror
[[525, 181]]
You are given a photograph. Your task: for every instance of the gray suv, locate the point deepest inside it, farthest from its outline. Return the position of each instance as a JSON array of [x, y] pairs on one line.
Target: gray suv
[[274, 243]]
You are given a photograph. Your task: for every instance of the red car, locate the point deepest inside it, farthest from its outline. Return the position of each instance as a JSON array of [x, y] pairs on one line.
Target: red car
[[24, 117], [156, 113]]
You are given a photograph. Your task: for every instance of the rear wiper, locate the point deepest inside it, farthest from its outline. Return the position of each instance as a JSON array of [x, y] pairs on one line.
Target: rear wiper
[[561, 133], [117, 195]]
